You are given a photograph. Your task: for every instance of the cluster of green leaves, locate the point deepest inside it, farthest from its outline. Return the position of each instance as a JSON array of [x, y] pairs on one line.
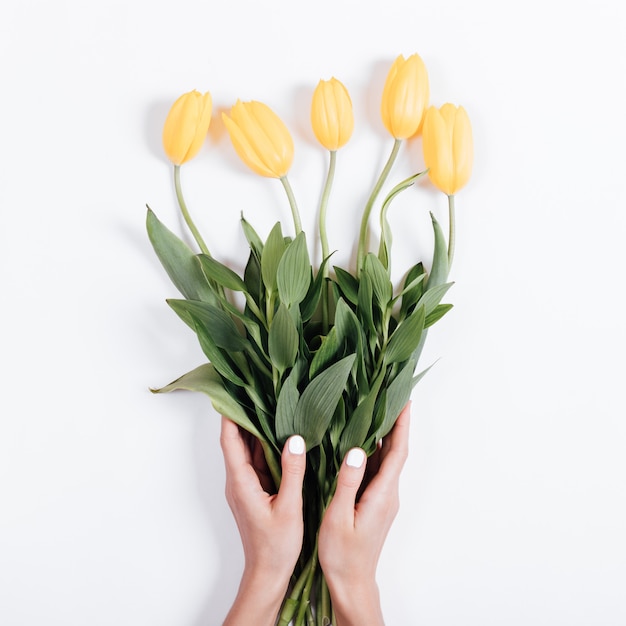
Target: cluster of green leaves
[[275, 370]]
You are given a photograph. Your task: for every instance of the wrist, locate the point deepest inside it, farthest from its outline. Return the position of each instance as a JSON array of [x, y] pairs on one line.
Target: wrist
[[356, 603], [272, 583], [259, 598]]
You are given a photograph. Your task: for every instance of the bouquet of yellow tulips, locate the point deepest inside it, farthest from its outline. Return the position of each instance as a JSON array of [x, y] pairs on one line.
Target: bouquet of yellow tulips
[[330, 355]]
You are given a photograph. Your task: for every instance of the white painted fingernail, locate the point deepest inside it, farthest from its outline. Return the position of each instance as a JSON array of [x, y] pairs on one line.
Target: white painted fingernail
[[355, 458], [296, 445]]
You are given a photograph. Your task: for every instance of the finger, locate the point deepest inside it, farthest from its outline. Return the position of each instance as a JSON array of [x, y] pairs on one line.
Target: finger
[[293, 463], [236, 451], [394, 453], [349, 480]]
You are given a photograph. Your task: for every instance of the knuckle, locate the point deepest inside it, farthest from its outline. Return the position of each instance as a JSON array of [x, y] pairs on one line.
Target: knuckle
[[293, 468], [350, 480]]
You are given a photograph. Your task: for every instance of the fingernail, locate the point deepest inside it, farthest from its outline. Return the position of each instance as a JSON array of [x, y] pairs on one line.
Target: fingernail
[[296, 445], [355, 457]]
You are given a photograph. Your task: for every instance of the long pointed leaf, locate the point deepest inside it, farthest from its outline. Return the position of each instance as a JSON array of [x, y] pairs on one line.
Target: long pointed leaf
[[221, 274], [272, 253], [405, 338], [283, 339], [179, 261], [439, 268], [293, 275], [286, 407], [318, 402], [206, 380]]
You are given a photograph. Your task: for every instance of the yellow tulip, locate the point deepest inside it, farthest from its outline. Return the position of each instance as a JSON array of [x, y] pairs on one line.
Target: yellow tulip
[[331, 114], [448, 147], [186, 126], [405, 96], [260, 138]]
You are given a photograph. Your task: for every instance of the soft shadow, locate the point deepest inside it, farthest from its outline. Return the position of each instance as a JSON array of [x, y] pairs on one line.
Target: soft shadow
[[373, 95], [154, 120], [301, 104]]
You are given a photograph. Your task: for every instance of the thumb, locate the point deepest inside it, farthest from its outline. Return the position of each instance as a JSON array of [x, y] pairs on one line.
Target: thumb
[[348, 482], [293, 462]]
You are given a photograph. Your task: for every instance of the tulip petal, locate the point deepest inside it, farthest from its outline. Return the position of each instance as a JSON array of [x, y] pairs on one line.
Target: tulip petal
[[260, 138], [186, 126], [448, 148], [205, 109], [405, 96], [331, 114], [245, 152], [463, 149]]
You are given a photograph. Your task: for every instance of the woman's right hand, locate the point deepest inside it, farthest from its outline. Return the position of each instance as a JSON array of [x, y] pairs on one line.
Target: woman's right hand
[[353, 532]]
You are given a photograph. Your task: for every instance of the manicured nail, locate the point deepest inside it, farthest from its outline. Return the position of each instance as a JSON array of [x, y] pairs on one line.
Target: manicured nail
[[355, 458], [296, 445]]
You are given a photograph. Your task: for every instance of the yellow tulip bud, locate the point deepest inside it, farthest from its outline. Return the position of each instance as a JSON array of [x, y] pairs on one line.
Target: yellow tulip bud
[[186, 126], [260, 138], [331, 114], [405, 96], [448, 147]]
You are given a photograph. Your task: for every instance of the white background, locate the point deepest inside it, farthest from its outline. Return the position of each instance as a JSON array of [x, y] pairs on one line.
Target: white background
[[514, 497]]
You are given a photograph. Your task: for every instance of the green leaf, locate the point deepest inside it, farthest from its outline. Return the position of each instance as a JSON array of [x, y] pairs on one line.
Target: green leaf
[[286, 407], [266, 422], [318, 402], [398, 394], [326, 353], [221, 274], [337, 424], [252, 277], [293, 275], [350, 333], [419, 376], [348, 284], [206, 380], [417, 353], [220, 361], [272, 253], [413, 289], [432, 297], [179, 261], [360, 421], [218, 323], [381, 285], [309, 304], [283, 339], [405, 338], [364, 308], [256, 244], [439, 269], [438, 312]]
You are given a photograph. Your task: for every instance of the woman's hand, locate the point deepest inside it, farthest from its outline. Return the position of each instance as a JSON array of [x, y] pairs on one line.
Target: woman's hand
[[353, 532], [270, 524]]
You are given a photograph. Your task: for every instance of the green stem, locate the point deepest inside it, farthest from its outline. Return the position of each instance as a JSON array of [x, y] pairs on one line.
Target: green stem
[[324, 235], [306, 592], [310, 619], [296, 592], [272, 463], [185, 212], [370, 203], [292, 203], [324, 205], [325, 603], [452, 231]]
